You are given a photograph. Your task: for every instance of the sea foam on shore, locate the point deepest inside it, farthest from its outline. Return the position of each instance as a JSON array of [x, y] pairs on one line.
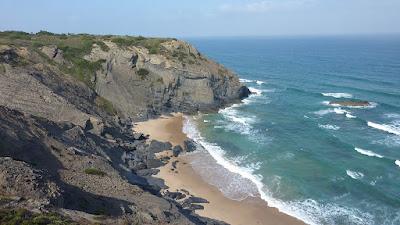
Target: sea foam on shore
[[239, 182]]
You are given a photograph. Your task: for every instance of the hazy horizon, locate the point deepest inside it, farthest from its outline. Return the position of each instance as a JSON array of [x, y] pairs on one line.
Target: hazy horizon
[[221, 18]]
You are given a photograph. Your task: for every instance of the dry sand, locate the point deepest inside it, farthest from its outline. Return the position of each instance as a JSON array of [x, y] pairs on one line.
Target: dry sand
[[247, 212]]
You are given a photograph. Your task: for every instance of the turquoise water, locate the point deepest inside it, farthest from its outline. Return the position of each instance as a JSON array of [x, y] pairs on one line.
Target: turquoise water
[[320, 163]]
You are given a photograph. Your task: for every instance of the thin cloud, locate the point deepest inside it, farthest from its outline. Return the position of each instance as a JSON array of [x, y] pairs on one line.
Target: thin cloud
[[264, 6]]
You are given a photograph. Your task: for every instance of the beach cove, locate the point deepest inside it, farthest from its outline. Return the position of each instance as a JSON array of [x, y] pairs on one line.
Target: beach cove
[[179, 175]]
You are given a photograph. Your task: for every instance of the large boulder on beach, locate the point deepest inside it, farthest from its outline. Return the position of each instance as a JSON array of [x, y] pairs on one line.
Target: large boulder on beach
[[189, 145], [176, 150], [158, 146]]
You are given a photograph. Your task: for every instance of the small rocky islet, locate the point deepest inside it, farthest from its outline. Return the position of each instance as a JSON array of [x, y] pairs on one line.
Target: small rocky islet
[[350, 103], [68, 104]]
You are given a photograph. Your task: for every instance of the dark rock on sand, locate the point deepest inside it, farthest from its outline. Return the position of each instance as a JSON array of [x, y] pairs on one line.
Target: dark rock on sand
[[139, 136], [174, 164], [158, 146], [189, 145], [193, 199], [147, 172], [175, 195], [176, 150]]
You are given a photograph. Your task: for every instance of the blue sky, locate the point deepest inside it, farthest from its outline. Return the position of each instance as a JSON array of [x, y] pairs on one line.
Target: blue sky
[[189, 18]]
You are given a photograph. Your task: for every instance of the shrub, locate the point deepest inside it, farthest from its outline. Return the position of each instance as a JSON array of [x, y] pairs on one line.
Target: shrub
[[106, 105], [22, 216], [124, 42], [142, 73], [84, 70], [2, 68], [15, 35], [43, 32], [103, 46], [94, 171]]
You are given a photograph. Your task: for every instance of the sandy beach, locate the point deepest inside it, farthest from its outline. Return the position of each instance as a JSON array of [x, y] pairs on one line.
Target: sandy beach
[[247, 212]]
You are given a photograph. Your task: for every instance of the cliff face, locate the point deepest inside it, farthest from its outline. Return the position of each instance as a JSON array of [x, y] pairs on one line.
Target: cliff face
[[177, 79], [67, 103]]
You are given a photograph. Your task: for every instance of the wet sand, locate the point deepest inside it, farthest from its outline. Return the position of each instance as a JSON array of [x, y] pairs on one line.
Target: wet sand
[[247, 212]]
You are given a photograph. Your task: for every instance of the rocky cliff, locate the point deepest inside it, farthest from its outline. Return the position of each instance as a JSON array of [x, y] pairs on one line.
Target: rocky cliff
[[133, 77], [67, 103]]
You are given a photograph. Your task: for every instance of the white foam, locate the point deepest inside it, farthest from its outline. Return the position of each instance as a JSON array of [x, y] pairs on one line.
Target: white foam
[[350, 116], [324, 112], [370, 105], [329, 127], [340, 111], [259, 82], [393, 129], [245, 80], [255, 91], [338, 95], [218, 154], [206, 121], [355, 175], [397, 162], [368, 152], [392, 115], [308, 210], [392, 141]]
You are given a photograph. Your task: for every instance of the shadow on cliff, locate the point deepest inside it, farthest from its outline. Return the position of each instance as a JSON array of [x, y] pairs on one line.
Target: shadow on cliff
[[22, 139]]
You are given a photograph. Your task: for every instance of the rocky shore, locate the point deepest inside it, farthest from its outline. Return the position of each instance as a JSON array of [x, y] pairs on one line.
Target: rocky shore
[[68, 104]]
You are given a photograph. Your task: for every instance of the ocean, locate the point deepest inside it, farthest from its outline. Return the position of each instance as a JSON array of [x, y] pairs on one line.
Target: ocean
[[320, 163]]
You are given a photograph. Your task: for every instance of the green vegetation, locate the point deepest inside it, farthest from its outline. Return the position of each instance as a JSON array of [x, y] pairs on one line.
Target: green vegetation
[[15, 35], [152, 44], [84, 70], [24, 217], [160, 80], [76, 46], [2, 69], [43, 32], [94, 171], [143, 73], [184, 57], [106, 105], [103, 46]]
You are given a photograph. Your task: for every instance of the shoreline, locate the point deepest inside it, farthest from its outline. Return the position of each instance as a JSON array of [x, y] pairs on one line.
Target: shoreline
[[179, 175]]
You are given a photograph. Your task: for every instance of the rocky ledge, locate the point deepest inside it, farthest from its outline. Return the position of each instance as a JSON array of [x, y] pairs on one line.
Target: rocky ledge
[[67, 108]]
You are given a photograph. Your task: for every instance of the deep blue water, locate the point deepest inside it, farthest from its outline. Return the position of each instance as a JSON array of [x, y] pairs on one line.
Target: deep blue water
[[323, 164]]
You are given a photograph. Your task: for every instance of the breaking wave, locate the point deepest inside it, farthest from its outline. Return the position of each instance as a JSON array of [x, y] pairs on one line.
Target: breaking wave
[[307, 210], [390, 128], [329, 127], [338, 95], [355, 175], [368, 152]]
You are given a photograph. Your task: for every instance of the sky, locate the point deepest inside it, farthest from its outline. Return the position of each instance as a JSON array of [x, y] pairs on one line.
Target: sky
[[190, 18]]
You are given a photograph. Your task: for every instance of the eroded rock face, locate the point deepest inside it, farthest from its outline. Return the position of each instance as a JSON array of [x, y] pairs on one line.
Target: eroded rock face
[[187, 82]]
